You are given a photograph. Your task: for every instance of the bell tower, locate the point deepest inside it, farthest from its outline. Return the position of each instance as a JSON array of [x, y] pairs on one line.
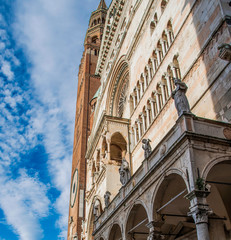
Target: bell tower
[[88, 84]]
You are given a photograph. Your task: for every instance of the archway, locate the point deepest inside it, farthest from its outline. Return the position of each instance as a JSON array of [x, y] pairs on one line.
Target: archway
[[219, 178], [136, 223], [95, 212], [118, 147], [115, 233], [170, 210]]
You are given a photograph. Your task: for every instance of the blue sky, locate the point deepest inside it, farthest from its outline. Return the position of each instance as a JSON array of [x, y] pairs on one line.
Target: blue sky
[[41, 44]]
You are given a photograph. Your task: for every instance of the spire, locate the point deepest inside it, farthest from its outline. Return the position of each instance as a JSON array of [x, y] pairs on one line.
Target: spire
[[102, 4]]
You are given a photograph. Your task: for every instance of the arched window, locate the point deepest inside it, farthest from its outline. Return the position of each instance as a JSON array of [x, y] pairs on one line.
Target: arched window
[[166, 87], [94, 39], [170, 32], [103, 20], [170, 76], [163, 5], [148, 113], [154, 22], [140, 87], [160, 96], [155, 61], [150, 64], [118, 147], [160, 51], [176, 67], [165, 41]]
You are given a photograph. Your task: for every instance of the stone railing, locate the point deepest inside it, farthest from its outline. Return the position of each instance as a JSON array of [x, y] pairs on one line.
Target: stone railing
[[186, 125]]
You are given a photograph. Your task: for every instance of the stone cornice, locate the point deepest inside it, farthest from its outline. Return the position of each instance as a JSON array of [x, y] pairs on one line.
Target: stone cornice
[[113, 17]]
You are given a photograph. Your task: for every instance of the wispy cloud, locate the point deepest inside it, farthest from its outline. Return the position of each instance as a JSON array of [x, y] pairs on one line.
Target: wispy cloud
[[51, 35], [23, 204], [48, 31]]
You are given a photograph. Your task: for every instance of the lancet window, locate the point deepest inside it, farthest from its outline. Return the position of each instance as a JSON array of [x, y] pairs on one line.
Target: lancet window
[[158, 54]]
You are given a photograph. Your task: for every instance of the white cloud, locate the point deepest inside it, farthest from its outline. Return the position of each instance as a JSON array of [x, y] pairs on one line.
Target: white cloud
[[51, 34], [6, 70], [23, 204]]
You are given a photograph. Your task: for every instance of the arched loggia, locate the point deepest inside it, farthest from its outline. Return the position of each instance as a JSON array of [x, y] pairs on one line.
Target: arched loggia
[[136, 223], [219, 179], [115, 233], [170, 210]]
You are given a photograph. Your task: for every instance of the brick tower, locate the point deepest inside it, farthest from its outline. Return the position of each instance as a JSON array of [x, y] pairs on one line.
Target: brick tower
[[88, 83]]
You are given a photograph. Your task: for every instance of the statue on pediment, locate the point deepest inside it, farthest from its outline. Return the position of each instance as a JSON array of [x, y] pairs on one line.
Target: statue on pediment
[[181, 101], [124, 172]]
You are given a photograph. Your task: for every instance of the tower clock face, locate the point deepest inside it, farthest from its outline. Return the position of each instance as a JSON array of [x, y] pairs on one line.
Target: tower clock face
[[74, 186]]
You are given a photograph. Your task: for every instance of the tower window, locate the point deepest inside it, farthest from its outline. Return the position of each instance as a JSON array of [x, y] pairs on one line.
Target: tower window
[[94, 39]]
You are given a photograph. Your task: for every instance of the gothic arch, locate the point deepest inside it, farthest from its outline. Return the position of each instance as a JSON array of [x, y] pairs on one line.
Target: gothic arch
[[118, 88]]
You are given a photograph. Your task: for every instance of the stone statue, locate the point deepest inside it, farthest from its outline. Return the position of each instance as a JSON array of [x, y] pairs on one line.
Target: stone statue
[[96, 209], [107, 198], [146, 147], [124, 172], [181, 101]]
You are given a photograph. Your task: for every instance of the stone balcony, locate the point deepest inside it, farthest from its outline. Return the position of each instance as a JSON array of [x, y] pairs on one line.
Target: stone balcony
[[188, 127]]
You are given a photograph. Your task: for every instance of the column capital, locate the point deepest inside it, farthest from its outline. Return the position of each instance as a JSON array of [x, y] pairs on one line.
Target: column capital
[[199, 209], [138, 121], [151, 100], [147, 107], [147, 67]]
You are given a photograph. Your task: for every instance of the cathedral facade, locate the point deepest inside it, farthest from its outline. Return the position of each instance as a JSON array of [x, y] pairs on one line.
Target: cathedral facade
[[158, 156]]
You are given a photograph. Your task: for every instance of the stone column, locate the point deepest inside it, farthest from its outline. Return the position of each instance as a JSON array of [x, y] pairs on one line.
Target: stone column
[[154, 230], [200, 211], [148, 115], [166, 31], [137, 94], [163, 93], [157, 102], [168, 84], [134, 100], [158, 57], [139, 128], [153, 66], [163, 48], [108, 140], [149, 74], [141, 89], [145, 81], [135, 134], [143, 121], [151, 100], [173, 72]]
